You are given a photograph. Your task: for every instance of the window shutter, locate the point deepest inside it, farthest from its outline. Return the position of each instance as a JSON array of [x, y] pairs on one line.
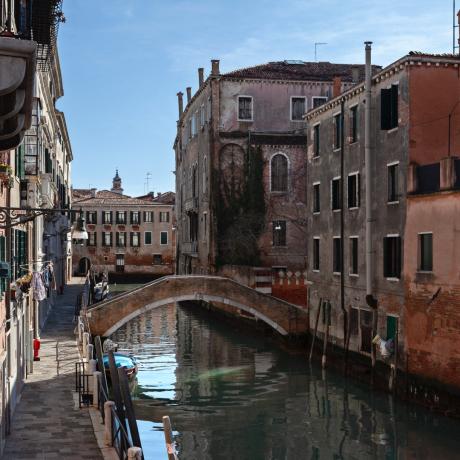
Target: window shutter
[[385, 257], [145, 216], [131, 217], [139, 214], [385, 108], [117, 238], [95, 238], [398, 257], [358, 185], [111, 216], [95, 217], [131, 238], [111, 239], [394, 106]]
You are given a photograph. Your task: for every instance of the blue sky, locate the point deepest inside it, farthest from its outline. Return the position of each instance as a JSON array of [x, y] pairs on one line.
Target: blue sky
[[123, 61]]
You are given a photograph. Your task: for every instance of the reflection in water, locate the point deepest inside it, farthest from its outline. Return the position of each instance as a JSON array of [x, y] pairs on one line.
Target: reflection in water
[[232, 396]]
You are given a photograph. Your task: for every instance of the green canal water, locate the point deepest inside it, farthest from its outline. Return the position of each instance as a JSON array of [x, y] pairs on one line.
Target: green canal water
[[231, 395]]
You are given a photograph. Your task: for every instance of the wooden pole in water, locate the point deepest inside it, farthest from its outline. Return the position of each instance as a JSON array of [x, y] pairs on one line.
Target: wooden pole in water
[[347, 342], [316, 329], [169, 439], [326, 334], [130, 415]]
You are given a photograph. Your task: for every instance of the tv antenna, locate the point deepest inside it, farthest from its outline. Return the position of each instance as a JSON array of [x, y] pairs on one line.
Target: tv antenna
[[147, 181], [319, 44], [455, 43]]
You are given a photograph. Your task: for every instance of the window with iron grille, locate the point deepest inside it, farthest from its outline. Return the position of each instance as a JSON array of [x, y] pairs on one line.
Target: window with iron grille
[[316, 198], [163, 238], [245, 108], [120, 217], [392, 257], [297, 108], [353, 190], [353, 255], [164, 216], [121, 239], [316, 255], [316, 144], [106, 217], [393, 183], [335, 194], [279, 233], [279, 173], [389, 107], [157, 259], [426, 252], [336, 254]]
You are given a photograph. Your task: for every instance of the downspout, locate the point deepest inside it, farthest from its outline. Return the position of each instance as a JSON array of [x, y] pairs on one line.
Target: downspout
[[342, 222], [370, 300]]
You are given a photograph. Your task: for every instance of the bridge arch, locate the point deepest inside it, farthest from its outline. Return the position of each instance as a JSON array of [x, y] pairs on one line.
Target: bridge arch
[[285, 318]]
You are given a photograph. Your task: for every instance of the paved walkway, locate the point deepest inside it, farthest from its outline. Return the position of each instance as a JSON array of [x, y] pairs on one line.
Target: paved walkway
[[46, 423]]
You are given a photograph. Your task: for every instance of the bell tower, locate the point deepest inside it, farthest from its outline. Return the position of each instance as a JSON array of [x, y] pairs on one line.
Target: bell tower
[[116, 184]]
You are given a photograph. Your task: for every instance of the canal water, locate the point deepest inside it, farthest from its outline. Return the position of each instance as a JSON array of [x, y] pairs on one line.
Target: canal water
[[231, 395]]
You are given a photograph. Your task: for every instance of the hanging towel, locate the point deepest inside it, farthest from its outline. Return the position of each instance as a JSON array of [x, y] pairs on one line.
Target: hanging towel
[[38, 289]]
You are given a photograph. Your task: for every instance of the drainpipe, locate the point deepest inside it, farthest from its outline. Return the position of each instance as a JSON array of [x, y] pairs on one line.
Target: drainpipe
[[370, 300], [342, 223]]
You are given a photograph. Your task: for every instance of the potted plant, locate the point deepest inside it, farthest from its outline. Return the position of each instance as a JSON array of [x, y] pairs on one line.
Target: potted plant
[[5, 170]]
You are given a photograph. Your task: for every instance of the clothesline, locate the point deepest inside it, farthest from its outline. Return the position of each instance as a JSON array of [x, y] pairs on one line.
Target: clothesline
[[33, 262]]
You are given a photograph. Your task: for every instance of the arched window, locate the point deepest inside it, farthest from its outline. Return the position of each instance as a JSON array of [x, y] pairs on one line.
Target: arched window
[[279, 173]]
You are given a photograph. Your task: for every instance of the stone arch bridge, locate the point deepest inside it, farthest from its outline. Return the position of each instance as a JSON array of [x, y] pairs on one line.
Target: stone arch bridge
[[224, 293]]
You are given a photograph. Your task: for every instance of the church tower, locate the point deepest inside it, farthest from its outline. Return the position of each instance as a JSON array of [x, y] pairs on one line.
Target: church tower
[[116, 184]]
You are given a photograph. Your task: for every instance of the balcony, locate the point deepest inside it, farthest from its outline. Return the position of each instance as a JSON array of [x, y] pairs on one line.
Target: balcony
[[191, 205], [190, 248]]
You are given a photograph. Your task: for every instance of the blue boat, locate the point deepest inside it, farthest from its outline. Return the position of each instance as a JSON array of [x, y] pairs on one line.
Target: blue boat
[[122, 360]]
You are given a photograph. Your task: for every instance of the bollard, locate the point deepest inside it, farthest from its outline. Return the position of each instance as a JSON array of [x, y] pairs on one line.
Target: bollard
[[89, 351], [92, 366], [108, 423], [97, 376], [135, 453], [80, 331]]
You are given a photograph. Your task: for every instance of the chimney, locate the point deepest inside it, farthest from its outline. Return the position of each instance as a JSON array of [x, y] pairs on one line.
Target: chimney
[[355, 74], [215, 67], [337, 88], [189, 94], [93, 192], [180, 100], [200, 77]]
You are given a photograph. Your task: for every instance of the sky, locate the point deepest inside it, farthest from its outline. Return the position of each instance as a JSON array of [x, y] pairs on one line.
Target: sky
[[123, 62]]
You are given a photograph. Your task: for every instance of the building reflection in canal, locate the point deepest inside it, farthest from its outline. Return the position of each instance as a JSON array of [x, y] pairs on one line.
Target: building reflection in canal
[[233, 396]]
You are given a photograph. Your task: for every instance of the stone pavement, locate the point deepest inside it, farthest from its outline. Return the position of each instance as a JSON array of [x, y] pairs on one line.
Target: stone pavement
[[46, 423]]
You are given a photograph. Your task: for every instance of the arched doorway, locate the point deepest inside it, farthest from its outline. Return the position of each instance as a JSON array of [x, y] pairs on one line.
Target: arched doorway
[[83, 266]]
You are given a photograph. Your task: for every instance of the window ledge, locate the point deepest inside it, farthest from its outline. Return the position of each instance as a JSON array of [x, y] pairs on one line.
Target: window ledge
[[354, 142], [336, 149], [315, 271], [392, 202], [315, 157], [353, 275], [393, 279], [278, 192], [336, 210], [316, 213], [392, 130], [353, 208], [425, 272], [336, 273], [279, 247], [245, 120]]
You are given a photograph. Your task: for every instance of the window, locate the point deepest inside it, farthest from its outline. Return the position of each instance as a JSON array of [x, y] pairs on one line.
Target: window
[[3, 281], [135, 217], [147, 237], [106, 217], [91, 239], [202, 116], [91, 217], [148, 216], [157, 259], [392, 326], [120, 217], [392, 256], [120, 263], [317, 101], [353, 255], [353, 124], [297, 108], [335, 191], [106, 238], [337, 131], [316, 198], [205, 226], [354, 321], [316, 253], [120, 239], [163, 238], [389, 107], [245, 108], [393, 183], [336, 254], [135, 239], [164, 216], [353, 190], [279, 173], [279, 233], [316, 141], [193, 129], [426, 252]]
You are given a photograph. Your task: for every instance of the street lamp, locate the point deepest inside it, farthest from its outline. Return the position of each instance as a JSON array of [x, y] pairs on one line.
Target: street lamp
[[79, 233]]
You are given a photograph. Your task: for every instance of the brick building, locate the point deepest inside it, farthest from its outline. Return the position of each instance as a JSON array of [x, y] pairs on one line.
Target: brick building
[[414, 197], [240, 168], [126, 235]]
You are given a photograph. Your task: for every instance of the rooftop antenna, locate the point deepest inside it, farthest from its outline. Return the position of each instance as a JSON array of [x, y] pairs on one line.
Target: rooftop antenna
[[147, 180], [455, 44], [318, 44]]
